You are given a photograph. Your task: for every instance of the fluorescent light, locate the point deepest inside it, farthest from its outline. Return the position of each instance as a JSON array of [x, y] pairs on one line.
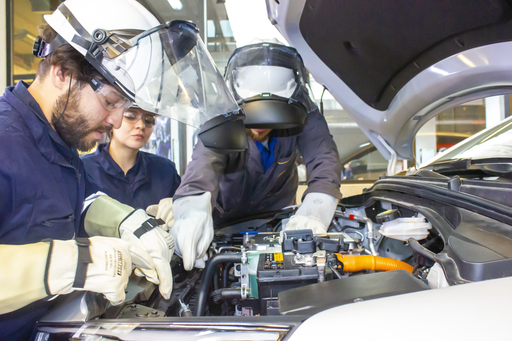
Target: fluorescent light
[[175, 4], [364, 144], [249, 20]]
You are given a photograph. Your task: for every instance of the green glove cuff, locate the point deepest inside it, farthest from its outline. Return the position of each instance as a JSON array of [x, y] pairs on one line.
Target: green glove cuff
[[104, 217]]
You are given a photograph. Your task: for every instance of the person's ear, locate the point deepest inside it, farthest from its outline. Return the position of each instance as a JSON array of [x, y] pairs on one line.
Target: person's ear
[[58, 79]]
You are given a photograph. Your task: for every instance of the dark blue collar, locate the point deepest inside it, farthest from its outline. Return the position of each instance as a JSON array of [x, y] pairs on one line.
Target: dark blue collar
[[46, 138], [137, 173]]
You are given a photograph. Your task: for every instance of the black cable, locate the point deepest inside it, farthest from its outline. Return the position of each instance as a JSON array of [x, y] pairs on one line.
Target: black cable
[[322, 101], [67, 100]]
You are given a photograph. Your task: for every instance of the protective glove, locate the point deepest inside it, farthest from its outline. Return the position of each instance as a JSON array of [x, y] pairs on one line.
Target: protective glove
[[108, 217], [162, 211], [315, 213], [103, 266], [193, 227], [146, 232]]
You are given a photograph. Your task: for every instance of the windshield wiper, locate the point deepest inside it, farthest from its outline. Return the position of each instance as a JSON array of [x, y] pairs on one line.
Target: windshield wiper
[[496, 166]]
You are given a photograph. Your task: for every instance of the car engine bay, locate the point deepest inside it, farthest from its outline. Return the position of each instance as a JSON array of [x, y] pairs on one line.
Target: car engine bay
[[379, 244]]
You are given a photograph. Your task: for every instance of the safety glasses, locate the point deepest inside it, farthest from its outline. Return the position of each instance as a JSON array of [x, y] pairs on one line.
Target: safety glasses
[[109, 97], [134, 117]]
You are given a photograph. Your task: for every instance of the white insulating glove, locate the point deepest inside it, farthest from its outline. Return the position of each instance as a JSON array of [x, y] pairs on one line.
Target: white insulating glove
[[193, 227], [146, 232], [315, 213], [103, 266], [163, 210]]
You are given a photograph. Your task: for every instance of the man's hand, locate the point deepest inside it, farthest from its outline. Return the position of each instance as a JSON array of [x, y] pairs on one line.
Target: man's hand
[[315, 213], [146, 232], [193, 228], [103, 265]]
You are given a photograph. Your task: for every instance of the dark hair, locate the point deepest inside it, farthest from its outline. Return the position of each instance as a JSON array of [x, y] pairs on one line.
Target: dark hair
[[67, 57]]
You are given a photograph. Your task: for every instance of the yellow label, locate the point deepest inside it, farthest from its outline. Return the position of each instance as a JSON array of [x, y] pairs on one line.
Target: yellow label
[[278, 257]]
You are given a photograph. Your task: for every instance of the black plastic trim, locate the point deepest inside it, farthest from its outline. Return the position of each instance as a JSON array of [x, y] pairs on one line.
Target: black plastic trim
[[470, 202]]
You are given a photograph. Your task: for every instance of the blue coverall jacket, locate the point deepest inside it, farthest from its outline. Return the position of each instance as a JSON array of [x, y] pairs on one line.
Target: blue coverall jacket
[[151, 178], [42, 190]]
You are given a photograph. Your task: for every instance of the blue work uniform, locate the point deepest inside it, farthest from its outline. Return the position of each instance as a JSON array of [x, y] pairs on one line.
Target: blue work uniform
[[241, 184], [42, 185], [151, 178]]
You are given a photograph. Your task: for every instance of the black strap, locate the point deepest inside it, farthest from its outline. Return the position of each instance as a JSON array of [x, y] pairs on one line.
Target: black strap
[[147, 226], [48, 258], [42, 49], [84, 259], [86, 44]]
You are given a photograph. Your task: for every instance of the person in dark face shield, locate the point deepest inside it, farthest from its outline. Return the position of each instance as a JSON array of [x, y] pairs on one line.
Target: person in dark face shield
[[126, 173], [269, 82]]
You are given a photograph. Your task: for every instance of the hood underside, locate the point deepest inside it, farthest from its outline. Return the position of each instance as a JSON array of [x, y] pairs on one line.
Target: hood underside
[[393, 65]]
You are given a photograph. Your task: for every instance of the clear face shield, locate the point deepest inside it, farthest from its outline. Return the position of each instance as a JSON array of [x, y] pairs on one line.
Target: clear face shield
[[269, 82], [168, 71]]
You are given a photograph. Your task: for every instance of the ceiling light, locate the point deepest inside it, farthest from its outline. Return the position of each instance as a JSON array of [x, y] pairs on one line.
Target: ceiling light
[[175, 4]]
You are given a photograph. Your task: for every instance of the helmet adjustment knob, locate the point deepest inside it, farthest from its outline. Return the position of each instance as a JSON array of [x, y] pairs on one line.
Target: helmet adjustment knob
[[99, 36]]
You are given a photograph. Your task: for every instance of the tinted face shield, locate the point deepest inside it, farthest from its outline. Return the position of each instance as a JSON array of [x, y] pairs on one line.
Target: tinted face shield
[[167, 70], [269, 82]]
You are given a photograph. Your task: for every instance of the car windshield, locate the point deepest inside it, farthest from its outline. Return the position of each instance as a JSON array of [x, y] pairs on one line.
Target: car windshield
[[492, 142]]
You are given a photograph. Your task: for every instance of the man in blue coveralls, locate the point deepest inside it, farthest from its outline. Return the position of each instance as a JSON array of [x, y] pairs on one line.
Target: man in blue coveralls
[[74, 99]]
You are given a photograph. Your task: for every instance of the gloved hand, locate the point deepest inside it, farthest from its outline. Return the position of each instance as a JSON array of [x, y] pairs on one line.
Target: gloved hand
[[107, 273], [162, 211], [193, 227], [146, 232], [315, 213]]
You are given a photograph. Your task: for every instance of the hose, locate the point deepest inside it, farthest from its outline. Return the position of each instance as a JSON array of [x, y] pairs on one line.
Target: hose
[[209, 270], [225, 274], [226, 295], [420, 249], [352, 263]]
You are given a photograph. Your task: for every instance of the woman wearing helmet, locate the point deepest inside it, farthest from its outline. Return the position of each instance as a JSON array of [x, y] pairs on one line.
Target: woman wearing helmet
[[124, 172]]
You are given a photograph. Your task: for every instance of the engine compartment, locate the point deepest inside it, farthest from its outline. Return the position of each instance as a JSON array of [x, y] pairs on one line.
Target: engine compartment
[[374, 248], [255, 268]]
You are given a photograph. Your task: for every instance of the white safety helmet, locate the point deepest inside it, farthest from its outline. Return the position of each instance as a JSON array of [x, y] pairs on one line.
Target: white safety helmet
[[76, 21], [163, 68]]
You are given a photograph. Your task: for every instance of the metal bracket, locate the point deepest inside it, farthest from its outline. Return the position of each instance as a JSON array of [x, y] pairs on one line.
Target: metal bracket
[[321, 260], [244, 278]]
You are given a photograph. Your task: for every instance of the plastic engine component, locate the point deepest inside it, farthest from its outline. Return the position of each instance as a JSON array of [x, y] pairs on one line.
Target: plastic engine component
[[311, 299]]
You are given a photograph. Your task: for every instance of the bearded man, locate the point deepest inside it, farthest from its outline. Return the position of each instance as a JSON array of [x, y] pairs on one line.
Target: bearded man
[[42, 189]]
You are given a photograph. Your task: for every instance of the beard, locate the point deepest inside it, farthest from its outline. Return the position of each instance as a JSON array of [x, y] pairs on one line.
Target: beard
[[260, 137], [71, 124]]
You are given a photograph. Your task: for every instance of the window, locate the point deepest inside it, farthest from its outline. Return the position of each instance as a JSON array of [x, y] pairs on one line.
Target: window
[[24, 17], [457, 124], [359, 158]]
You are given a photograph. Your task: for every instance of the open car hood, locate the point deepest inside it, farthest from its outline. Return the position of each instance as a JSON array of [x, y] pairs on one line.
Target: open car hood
[[395, 65]]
